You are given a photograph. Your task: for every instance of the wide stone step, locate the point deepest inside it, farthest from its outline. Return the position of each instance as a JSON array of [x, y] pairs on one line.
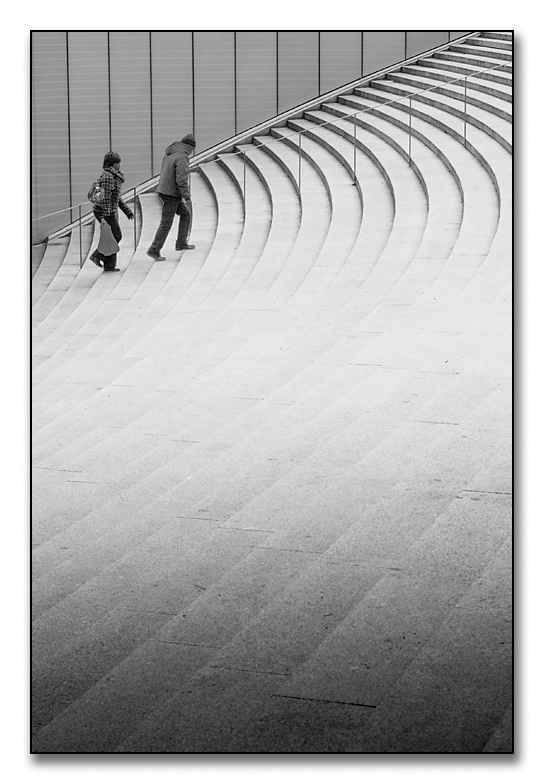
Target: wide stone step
[[498, 129], [497, 75], [475, 61], [492, 42], [501, 35], [494, 103], [471, 48], [433, 75]]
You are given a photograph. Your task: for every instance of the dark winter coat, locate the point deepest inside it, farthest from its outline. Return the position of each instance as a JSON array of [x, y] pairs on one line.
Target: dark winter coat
[[174, 179]]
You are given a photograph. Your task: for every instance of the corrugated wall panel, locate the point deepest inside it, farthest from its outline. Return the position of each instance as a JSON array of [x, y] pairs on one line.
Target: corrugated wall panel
[[381, 49], [131, 103], [420, 40], [341, 61], [256, 78], [151, 80], [172, 69], [50, 139], [298, 68], [89, 110], [214, 88]]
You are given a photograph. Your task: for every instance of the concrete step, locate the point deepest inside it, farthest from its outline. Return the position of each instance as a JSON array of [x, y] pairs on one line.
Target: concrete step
[[501, 35], [99, 312], [188, 626], [454, 68], [52, 259], [70, 273], [379, 196], [458, 160], [97, 562], [455, 92], [480, 64], [442, 215], [434, 74], [38, 252], [500, 130], [84, 281], [410, 207], [473, 49], [492, 42], [284, 229]]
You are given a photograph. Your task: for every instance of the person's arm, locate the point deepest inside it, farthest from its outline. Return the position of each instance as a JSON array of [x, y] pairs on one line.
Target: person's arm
[[182, 177], [126, 209]]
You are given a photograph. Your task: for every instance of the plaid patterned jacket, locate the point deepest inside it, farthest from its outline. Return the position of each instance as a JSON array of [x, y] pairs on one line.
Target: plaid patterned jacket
[[111, 181]]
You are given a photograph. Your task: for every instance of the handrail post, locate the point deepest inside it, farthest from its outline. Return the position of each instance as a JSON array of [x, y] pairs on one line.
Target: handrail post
[[465, 124], [299, 159], [410, 134], [355, 148], [244, 159], [134, 205], [80, 249]]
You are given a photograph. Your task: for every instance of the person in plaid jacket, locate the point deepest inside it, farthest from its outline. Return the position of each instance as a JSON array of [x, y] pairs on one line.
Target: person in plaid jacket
[[111, 181]]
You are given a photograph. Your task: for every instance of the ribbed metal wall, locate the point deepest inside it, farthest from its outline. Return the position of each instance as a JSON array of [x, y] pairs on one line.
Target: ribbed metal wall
[[137, 91], [172, 88], [340, 59], [51, 187], [256, 77]]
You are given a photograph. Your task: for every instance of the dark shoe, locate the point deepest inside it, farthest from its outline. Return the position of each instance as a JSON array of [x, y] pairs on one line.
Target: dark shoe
[[184, 246], [156, 256], [112, 269], [95, 260]]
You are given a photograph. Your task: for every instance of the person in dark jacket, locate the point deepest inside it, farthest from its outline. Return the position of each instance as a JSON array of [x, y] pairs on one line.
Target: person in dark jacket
[[111, 180], [174, 189]]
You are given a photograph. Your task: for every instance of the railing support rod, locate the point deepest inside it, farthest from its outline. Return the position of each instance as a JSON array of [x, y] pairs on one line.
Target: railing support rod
[[465, 128], [410, 134], [299, 160], [244, 159], [80, 248], [355, 149], [134, 211]]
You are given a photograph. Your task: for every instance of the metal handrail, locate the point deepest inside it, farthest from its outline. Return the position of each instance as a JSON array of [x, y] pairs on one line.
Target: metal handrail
[[371, 109], [398, 100], [355, 114], [321, 99]]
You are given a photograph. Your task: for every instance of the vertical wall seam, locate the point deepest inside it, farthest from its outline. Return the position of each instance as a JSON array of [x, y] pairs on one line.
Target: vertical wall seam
[[235, 89], [319, 62], [277, 72], [70, 192], [151, 100], [109, 91], [193, 77], [33, 179]]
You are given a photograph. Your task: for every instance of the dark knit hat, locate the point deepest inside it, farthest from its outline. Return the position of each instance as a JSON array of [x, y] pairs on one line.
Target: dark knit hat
[[189, 139]]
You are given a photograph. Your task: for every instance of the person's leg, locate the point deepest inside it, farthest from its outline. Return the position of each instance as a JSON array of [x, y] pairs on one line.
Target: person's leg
[[110, 262], [96, 257], [169, 205], [185, 212]]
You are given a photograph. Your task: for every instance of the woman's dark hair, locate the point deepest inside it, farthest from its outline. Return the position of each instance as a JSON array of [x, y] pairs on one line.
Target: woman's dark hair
[[110, 159]]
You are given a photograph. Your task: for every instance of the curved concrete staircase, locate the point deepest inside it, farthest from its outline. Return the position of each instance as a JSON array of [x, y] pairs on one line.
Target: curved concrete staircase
[[272, 478]]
